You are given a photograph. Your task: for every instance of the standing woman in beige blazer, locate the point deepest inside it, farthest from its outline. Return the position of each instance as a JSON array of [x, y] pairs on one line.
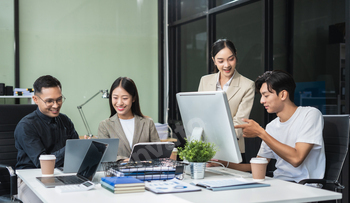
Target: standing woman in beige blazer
[[239, 89], [126, 121]]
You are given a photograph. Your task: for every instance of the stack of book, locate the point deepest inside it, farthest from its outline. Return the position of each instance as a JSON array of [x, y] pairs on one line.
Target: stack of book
[[124, 184]]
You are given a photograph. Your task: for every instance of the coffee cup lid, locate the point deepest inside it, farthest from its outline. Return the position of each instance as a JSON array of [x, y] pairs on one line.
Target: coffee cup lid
[[258, 160], [47, 157]]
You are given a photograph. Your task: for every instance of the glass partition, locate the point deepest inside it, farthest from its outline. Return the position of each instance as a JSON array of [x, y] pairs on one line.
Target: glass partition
[[7, 61], [193, 54], [319, 54], [185, 8]]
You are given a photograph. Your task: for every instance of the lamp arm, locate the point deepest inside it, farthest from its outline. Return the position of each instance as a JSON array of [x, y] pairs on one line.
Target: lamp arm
[[89, 99], [85, 121], [80, 109]]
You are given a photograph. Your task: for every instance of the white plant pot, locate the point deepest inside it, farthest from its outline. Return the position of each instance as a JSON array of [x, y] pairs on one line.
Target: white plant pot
[[197, 169]]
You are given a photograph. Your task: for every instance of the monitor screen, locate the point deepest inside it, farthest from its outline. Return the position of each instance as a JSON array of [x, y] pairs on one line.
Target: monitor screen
[[210, 112]]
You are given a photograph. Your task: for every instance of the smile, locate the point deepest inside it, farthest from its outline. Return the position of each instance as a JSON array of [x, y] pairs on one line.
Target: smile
[[227, 70], [120, 108], [55, 111]]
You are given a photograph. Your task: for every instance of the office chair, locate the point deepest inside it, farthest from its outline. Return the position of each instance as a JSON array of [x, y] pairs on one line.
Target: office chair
[[10, 197], [336, 139], [9, 117]]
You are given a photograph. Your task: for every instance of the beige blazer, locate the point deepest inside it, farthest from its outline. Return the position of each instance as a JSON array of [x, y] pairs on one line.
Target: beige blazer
[[145, 131], [240, 95]]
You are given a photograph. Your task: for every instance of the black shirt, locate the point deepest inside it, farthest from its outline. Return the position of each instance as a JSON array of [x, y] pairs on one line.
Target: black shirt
[[38, 134]]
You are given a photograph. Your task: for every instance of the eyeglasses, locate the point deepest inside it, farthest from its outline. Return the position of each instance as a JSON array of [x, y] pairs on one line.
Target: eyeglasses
[[50, 102]]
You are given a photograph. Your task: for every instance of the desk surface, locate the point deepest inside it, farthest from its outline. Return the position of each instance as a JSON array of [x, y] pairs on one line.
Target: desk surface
[[279, 191]]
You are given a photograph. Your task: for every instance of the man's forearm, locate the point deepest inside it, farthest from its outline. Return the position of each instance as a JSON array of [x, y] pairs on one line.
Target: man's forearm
[[294, 156], [240, 167]]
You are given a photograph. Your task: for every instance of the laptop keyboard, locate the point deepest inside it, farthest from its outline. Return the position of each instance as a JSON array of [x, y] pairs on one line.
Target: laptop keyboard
[[70, 179]]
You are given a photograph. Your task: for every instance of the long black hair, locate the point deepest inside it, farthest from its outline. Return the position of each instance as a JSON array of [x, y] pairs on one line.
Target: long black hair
[[129, 86]]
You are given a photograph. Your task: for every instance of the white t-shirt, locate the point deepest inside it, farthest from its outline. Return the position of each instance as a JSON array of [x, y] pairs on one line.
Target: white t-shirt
[[128, 128], [306, 125]]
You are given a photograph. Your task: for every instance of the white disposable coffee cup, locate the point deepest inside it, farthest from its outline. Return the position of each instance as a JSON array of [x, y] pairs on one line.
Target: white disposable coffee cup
[[258, 166], [47, 164]]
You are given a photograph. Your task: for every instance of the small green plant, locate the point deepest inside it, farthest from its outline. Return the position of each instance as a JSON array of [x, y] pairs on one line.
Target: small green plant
[[197, 151]]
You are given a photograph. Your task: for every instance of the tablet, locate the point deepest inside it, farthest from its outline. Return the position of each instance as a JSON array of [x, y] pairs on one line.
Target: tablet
[[151, 150]]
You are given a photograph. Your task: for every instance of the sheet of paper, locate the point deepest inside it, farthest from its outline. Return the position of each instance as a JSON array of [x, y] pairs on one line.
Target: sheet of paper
[[170, 186]]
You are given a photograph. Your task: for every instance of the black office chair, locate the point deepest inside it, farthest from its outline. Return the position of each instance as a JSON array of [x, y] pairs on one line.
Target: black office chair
[[336, 139], [12, 182], [9, 117]]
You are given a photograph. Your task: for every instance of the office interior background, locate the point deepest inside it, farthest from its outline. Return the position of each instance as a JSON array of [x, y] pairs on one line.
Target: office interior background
[[164, 46]]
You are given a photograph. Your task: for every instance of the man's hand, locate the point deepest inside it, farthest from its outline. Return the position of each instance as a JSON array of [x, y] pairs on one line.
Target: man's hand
[[251, 128], [87, 137], [212, 163]]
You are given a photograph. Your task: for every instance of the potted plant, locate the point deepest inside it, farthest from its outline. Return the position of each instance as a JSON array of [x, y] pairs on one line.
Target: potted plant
[[197, 153]]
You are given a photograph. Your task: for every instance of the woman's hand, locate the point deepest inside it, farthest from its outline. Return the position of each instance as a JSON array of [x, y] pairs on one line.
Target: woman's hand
[[87, 137]]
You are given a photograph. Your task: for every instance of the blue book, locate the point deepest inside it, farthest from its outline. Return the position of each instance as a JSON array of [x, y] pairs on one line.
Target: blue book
[[106, 185], [122, 181]]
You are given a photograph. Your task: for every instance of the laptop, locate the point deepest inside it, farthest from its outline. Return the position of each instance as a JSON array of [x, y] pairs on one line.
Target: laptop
[[86, 172], [76, 148], [151, 150]]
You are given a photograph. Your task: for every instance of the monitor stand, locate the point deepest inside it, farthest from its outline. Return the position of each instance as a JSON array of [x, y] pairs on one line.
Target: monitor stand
[[197, 134]]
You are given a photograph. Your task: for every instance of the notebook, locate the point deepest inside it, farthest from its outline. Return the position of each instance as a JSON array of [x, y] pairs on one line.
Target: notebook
[[87, 169], [151, 150], [76, 148]]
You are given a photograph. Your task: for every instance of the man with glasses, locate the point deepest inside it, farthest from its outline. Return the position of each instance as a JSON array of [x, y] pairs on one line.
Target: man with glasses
[[45, 130]]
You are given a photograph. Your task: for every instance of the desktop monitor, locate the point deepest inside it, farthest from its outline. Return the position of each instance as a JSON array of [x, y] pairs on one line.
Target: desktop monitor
[[208, 113]]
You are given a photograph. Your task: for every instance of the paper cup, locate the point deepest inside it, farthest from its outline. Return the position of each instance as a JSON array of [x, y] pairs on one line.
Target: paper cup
[[47, 164], [173, 155], [258, 166]]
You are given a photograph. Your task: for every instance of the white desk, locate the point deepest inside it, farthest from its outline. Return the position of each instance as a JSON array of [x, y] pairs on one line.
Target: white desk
[[279, 191]]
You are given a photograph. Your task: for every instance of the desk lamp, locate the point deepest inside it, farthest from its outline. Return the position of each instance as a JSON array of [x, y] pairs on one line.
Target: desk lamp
[[105, 95]]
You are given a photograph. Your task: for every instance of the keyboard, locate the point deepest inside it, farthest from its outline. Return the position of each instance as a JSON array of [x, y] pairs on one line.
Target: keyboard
[[227, 171], [68, 180]]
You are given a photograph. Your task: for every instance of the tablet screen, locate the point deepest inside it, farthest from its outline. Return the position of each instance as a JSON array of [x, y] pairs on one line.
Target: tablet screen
[[151, 150]]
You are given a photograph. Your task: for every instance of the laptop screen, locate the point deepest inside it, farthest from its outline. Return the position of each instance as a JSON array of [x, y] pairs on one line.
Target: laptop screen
[[76, 150], [92, 159], [151, 150]]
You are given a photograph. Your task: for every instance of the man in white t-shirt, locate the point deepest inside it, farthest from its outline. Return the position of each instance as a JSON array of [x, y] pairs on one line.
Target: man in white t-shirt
[[294, 138]]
